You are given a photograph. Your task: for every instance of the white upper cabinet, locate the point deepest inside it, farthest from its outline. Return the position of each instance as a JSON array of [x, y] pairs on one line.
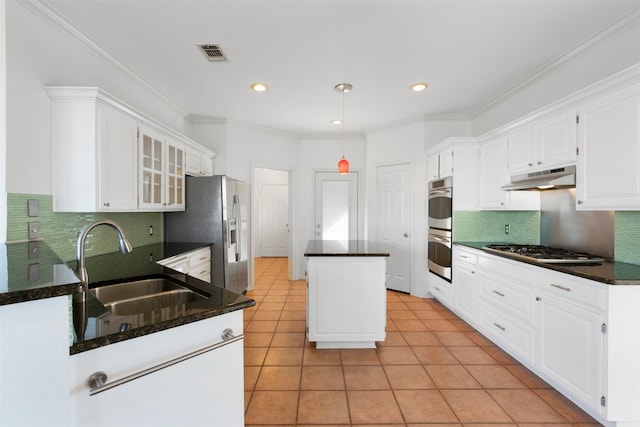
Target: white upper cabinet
[[198, 163], [493, 174], [522, 152], [106, 157], [94, 159], [161, 172], [440, 165], [556, 140], [608, 168], [457, 157], [550, 142]]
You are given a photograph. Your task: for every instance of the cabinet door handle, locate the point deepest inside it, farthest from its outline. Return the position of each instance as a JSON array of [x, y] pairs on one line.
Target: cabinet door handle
[[104, 387], [580, 202], [502, 328], [498, 293], [564, 288], [538, 299], [107, 204]]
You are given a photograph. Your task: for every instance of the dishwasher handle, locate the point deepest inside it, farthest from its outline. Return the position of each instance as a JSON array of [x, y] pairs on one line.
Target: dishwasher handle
[[97, 381]]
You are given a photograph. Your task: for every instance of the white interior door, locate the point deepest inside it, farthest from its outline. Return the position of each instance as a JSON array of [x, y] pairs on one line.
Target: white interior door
[[394, 223], [274, 220], [336, 206]]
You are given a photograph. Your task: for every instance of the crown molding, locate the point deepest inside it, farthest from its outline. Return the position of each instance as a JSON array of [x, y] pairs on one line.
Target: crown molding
[[620, 26], [39, 8]]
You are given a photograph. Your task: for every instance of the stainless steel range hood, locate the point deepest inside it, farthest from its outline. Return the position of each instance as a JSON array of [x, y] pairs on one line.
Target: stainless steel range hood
[[564, 177]]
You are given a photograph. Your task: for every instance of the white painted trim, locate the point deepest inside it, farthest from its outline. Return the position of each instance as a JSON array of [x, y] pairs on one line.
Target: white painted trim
[[40, 9], [616, 28]]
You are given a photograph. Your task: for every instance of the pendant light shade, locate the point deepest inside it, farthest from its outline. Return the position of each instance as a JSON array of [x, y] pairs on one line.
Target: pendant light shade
[[343, 166]]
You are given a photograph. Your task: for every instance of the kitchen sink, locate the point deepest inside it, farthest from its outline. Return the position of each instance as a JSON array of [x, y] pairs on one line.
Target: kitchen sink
[[144, 296]]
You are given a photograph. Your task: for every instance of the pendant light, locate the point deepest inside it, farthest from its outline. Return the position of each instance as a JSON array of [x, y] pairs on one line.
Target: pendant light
[[343, 164]]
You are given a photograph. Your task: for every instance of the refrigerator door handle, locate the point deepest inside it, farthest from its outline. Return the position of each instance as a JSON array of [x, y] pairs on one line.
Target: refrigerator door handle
[[237, 214]]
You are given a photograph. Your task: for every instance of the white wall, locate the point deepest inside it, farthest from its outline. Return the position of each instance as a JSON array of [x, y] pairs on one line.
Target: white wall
[[323, 154], [39, 55], [612, 54], [3, 126]]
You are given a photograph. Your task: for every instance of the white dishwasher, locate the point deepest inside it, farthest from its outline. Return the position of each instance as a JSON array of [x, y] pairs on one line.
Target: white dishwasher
[[191, 375]]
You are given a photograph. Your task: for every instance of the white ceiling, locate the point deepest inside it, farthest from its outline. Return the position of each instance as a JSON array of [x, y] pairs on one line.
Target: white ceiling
[[469, 52]]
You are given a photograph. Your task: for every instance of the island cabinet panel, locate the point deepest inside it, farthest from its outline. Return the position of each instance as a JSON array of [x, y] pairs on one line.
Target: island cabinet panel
[[346, 301], [204, 389]]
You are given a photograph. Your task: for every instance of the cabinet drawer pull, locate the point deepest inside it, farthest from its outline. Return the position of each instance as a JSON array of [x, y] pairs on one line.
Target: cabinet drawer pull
[[498, 293], [465, 256], [202, 258], [502, 328], [564, 288], [227, 336], [436, 288]]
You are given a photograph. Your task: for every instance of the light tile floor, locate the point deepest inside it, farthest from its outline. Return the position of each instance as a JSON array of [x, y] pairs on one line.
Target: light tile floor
[[432, 370]]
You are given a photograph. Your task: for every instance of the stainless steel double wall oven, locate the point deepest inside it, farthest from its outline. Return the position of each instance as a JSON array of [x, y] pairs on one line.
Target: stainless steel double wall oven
[[440, 214]]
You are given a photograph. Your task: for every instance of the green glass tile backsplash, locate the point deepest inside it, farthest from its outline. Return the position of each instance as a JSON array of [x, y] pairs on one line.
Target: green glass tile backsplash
[[60, 230], [488, 226], [627, 237]]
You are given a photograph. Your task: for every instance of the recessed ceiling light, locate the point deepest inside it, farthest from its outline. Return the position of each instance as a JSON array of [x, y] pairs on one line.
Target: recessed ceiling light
[[259, 87], [419, 87], [336, 122]]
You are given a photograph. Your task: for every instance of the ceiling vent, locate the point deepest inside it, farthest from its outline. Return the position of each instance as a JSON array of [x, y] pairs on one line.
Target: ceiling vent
[[213, 52]]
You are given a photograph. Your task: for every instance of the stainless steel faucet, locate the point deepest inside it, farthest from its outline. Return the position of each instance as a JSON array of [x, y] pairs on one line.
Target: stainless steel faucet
[[80, 306], [125, 247]]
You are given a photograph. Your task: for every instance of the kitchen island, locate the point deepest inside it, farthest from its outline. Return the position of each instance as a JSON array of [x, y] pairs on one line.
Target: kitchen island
[[346, 296]]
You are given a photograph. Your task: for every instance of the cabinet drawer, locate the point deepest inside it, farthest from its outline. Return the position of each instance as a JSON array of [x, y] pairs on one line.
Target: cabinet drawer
[[509, 332], [514, 298], [440, 289], [573, 290], [199, 256], [507, 268], [465, 256], [201, 271]]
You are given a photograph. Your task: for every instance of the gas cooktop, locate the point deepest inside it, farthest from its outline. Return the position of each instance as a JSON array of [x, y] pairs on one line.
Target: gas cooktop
[[545, 254]]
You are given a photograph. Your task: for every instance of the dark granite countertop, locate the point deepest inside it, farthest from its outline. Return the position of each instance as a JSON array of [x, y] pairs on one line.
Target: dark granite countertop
[[31, 271], [104, 326], [359, 248], [609, 272]]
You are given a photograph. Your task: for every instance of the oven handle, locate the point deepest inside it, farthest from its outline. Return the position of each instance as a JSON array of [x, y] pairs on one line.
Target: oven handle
[[439, 239], [440, 191]]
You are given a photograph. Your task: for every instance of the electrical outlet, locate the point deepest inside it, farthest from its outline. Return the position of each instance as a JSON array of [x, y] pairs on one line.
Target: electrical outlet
[[34, 230], [151, 230], [507, 229]]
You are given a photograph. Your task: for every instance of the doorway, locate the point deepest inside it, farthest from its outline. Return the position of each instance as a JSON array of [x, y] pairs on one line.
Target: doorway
[[336, 211], [273, 212], [394, 203]]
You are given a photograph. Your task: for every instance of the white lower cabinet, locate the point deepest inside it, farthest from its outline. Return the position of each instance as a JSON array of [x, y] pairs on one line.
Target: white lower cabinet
[[464, 284], [34, 363], [570, 348], [203, 390], [196, 263], [577, 334]]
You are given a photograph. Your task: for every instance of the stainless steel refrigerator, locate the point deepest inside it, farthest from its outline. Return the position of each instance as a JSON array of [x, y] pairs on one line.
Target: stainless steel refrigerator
[[217, 211]]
